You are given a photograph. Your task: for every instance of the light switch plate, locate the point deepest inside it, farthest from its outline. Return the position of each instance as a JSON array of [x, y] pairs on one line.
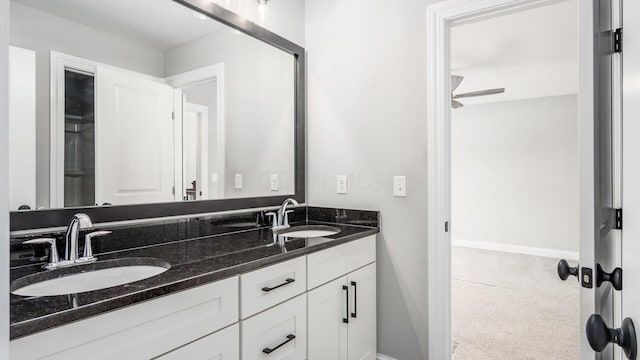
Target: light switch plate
[[341, 184], [214, 177], [400, 186], [238, 183], [274, 182]]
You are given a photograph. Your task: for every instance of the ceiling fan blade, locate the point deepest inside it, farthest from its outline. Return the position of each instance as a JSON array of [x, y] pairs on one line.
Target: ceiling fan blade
[[479, 93], [455, 81], [456, 104]]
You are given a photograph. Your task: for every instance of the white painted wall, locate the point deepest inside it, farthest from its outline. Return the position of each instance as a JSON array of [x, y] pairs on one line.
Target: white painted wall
[[22, 128], [367, 118], [39, 31], [515, 173], [259, 107]]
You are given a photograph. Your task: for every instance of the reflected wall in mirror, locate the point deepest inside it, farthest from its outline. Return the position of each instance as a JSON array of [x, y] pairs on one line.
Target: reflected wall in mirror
[[119, 102]]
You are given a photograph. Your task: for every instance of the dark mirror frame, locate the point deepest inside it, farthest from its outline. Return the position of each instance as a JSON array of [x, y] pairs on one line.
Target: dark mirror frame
[[47, 218]]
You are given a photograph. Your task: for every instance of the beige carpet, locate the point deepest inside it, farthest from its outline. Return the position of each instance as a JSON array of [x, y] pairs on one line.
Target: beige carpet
[[510, 306]]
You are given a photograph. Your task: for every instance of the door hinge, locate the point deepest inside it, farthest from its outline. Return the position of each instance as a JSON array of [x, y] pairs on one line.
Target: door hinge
[[617, 40], [618, 220], [173, 115], [173, 190]]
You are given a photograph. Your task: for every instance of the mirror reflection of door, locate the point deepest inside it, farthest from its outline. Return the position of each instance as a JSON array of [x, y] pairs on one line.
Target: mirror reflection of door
[[200, 150], [194, 149]]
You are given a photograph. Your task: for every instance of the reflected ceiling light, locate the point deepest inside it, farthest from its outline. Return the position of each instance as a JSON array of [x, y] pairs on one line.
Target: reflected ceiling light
[[200, 16], [262, 4]]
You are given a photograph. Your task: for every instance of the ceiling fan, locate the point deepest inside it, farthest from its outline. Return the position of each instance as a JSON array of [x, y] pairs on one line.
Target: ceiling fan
[[455, 82]]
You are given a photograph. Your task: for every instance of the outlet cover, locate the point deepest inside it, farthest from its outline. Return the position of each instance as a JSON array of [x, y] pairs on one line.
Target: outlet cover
[[238, 182], [341, 184], [274, 182]]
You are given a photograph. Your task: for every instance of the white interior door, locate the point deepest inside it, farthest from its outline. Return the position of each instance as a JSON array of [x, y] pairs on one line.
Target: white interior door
[[599, 239], [134, 143], [196, 149], [630, 162], [22, 128]]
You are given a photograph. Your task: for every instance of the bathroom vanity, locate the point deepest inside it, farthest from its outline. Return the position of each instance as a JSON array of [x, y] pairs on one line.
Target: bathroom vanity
[[233, 290], [169, 139]]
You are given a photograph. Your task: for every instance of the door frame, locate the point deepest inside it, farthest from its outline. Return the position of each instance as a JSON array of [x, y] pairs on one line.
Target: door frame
[[59, 63], [4, 179], [203, 120], [440, 17], [193, 77]]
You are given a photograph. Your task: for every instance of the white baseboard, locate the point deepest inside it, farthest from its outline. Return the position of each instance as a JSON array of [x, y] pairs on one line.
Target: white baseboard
[[526, 250], [384, 357]]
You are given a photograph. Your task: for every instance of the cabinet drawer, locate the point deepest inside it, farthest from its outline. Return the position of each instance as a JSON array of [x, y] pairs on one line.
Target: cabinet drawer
[[140, 331], [279, 333], [264, 288], [335, 262], [222, 345]]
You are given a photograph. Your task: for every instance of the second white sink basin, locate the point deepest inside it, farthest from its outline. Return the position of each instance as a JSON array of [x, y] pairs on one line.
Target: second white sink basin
[[90, 277], [309, 231]]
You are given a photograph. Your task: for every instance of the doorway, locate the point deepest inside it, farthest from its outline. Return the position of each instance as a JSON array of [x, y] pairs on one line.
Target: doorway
[[598, 159], [200, 133], [514, 185]]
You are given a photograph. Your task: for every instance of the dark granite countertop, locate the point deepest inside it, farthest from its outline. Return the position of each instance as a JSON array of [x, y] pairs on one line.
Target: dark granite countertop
[[200, 251]]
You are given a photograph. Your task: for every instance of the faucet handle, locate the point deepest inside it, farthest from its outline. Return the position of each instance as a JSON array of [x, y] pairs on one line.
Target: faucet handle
[[87, 254], [286, 217], [274, 218], [53, 252]]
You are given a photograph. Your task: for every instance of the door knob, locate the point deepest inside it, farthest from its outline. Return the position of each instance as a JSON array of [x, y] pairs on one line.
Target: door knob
[[614, 277], [564, 270], [600, 335]]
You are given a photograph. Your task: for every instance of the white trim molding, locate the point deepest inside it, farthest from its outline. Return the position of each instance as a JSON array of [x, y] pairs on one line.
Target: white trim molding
[[59, 64], [516, 249], [4, 179], [440, 17]]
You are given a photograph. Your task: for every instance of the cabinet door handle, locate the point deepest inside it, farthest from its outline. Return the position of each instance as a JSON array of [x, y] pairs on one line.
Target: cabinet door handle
[[346, 290], [355, 300], [286, 282], [270, 350]]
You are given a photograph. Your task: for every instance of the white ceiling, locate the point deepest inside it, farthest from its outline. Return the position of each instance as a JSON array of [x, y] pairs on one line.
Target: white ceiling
[[532, 53], [160, 24]]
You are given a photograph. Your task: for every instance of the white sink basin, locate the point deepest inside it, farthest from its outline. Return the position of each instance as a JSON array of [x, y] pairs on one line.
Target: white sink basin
[[308, 231], [99, 275]]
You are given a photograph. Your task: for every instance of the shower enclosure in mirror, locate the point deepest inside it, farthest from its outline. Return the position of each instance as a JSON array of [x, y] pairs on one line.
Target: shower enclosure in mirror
[[119, 104]]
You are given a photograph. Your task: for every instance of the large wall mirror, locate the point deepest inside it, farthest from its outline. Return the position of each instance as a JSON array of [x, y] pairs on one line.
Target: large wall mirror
[[143, 108]]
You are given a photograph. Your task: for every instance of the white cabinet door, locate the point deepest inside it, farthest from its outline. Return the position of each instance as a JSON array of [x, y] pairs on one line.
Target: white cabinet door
[[134, 144], [221, 345], [327, 326], [362, 313], [279, 333]]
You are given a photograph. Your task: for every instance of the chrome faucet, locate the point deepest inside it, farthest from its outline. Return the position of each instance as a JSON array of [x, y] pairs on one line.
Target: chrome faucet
[[281, 218], [78, 222]]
